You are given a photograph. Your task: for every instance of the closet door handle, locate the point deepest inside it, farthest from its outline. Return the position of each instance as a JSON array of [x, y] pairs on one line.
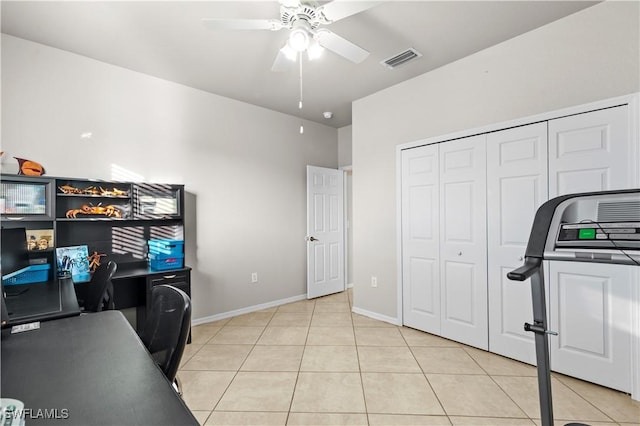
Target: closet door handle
[[459, 253]]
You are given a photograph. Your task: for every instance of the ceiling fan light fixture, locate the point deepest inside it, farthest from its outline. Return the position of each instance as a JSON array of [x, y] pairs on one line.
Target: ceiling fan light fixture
[[314, 51], [298, 39], [289, 53]]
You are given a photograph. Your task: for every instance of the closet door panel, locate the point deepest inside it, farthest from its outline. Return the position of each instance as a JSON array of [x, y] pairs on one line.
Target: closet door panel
[[590, 309], [589, 304], [463, 241], [420, 239], [590, 152], [516, 187]]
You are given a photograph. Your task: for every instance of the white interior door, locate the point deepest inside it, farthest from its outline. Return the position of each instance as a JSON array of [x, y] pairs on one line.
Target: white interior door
[[463, 241], [589, 304], [420, 239], [325, 231], [516, 187]]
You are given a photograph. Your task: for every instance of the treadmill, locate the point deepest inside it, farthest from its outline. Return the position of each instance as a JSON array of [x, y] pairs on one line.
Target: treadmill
[[595, 227]]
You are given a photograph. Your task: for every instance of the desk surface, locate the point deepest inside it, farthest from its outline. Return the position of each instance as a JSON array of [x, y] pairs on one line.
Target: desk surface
[[94, 366], [142, 270], [41, 301]]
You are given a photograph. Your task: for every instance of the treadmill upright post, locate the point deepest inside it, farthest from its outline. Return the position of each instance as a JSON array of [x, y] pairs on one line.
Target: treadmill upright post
[[542, 345]]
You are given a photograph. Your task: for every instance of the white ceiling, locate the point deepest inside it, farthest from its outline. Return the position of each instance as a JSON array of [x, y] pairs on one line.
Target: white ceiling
[[167, 39]]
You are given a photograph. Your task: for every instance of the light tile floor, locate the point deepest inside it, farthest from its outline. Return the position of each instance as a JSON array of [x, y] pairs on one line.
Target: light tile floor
[[315, 363]]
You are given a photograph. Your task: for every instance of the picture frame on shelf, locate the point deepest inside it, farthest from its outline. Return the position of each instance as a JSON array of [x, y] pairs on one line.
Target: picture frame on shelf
[[74, 260], [40, 239]]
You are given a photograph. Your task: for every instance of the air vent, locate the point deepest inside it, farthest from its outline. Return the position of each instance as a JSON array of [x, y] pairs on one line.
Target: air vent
[[401, 58], [622, 211]]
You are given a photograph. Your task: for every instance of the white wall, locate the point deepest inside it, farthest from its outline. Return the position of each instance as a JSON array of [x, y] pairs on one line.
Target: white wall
[[345, 146], [243, 166], [588, 56]]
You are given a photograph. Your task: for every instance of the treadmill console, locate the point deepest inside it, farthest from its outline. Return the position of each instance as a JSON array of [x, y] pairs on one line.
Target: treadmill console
[[597, 227], [624, 235]]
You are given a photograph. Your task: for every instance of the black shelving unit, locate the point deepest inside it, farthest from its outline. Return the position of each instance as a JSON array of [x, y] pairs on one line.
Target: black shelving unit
[[112, 218]]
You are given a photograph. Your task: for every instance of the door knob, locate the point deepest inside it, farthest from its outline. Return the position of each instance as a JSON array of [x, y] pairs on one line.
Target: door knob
[[312, 239], [459, 253]]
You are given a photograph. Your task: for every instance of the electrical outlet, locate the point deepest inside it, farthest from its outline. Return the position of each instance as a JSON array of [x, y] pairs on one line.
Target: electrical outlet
[[374, 281], [254, 277]]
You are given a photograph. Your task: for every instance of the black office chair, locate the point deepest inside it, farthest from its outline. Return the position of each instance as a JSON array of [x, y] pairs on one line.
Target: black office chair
[[100, 290], [166, 329]]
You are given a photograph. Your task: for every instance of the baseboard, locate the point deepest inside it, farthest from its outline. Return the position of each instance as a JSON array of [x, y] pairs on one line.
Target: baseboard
[[350, 285], [376, 316], [247, 310]]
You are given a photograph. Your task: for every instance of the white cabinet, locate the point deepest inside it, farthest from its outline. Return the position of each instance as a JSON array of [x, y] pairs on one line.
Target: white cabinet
[[467, 206]]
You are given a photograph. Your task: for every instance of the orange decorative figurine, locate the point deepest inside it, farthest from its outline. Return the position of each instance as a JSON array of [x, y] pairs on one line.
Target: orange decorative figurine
[[94, 261], [29, 168]]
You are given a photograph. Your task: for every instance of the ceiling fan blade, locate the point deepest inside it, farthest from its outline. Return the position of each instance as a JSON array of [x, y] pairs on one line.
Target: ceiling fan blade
[[282, 62], [242, 24], [290, 3], [339, 9], [341, 46]]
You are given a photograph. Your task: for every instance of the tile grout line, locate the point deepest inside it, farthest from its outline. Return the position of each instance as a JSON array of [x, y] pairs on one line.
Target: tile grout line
[[464, 348], [226, 389], [583, 398], [295, 384], [355, 341], [193, 355], [425, 377]]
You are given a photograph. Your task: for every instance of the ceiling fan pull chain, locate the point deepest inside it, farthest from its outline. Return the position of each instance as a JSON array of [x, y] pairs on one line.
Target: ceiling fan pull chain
[[300, 103]]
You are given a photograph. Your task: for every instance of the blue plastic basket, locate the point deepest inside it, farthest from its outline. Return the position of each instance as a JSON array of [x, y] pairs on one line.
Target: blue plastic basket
[[168, 247], [29, 275], [161, 262]]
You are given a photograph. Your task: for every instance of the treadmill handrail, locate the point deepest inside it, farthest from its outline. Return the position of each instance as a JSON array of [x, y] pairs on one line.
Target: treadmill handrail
[[531, 265]]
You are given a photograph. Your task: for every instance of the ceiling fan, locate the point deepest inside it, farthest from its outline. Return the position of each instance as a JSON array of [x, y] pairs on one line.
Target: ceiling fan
[[305, 20]]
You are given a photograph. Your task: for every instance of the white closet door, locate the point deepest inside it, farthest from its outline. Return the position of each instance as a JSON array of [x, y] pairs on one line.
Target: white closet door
[[463, 241], [516, 187], [589, 304], [590, 152], [590, 309], [420, 239]]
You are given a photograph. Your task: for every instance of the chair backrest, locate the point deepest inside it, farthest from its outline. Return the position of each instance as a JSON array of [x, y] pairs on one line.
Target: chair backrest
[[99, 286], [167, 327]]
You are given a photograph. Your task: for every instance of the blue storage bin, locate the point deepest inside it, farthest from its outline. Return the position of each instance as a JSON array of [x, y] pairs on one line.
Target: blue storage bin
[[163, 262], [168, 247], [29, 275]]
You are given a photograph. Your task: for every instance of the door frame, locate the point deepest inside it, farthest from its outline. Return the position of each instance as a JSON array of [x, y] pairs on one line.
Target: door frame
[[348, 171], [633, 103]]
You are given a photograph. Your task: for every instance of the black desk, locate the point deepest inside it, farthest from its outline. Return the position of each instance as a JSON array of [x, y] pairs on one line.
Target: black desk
[[132, 285], [59, 298], [96, 367], [41, 301]]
